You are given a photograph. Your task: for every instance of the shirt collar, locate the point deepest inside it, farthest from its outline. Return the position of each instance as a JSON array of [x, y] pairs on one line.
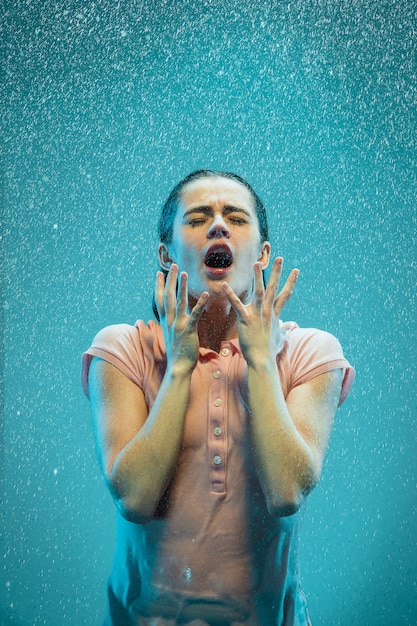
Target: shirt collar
[[232, 344]]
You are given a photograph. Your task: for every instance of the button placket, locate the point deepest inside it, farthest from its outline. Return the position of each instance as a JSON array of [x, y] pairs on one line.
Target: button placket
[[216, 436]]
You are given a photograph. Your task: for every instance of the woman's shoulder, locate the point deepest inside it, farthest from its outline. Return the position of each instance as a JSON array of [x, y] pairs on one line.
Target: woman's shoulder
[[128, 333], [130, 348], [312, 351], [309, 337]]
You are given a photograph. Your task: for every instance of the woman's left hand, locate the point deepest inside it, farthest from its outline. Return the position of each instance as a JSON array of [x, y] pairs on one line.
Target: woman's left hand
[[260, 335]]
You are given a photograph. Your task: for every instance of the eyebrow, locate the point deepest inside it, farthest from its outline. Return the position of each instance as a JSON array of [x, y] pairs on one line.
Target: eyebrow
[[207, 210]]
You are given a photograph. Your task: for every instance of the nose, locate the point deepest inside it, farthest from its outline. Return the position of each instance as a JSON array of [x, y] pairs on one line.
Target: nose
[[218, 228]]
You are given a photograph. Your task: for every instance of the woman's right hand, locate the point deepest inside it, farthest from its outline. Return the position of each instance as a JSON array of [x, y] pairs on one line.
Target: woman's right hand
[[179, 327]]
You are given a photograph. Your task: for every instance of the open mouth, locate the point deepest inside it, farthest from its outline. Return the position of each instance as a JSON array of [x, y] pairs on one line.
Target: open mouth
[[218, 257]]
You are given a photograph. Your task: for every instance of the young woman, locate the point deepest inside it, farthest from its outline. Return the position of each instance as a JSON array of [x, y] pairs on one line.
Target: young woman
[[212, 423]]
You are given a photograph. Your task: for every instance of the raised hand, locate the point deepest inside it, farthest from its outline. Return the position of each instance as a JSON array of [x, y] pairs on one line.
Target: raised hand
[[179, 326], [260, 334]]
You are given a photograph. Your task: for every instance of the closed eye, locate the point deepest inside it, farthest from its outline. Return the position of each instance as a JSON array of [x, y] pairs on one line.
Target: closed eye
[[237, 220], [196, 221], [237, 215]]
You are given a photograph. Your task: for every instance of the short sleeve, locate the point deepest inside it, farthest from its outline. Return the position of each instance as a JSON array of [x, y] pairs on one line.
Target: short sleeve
[[312, 352], [119, 345]]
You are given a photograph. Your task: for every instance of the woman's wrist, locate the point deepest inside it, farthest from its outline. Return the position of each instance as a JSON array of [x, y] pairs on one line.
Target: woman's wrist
[[262, 362], [179, 369]]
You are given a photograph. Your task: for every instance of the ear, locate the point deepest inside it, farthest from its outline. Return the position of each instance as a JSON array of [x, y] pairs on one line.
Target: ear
[[265, 254], [165, 259]]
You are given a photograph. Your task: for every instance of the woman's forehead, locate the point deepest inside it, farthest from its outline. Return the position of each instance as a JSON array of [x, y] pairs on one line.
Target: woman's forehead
[[212, 190]]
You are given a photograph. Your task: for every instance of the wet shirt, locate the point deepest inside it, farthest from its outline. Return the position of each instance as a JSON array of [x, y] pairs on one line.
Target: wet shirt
[[212, 555]]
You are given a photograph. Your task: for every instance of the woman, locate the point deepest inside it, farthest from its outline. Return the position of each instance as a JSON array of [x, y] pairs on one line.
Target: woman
[[212, 425]]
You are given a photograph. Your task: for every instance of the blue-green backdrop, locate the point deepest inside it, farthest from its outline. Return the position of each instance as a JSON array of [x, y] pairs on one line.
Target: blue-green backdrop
[[105, 106]]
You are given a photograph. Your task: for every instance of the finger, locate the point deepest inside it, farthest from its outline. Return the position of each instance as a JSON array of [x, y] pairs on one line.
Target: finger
[[286, 292], [183, 294], [159, 293], [273, 283], [198, 309], [235, 302], [170, 294], [259, 291]]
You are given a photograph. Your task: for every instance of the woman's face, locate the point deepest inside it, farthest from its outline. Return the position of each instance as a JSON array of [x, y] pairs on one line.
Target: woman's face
[[216, 237]]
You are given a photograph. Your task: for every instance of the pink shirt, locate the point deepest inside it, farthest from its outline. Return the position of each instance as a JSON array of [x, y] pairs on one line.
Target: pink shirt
[[212, 549]]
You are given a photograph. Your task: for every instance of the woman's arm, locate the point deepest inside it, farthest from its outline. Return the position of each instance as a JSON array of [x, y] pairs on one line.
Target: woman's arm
[[138, 452], [290, 436]]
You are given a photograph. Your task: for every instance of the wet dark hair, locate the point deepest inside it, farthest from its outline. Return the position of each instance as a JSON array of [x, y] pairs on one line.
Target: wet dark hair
[[170, 208]]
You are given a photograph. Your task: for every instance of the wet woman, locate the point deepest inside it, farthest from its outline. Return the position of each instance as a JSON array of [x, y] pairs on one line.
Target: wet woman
[[212, 422]]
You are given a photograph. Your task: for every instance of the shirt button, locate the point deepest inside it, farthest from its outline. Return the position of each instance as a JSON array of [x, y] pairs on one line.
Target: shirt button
[[217, 459], [217, 374], [224, 351], [217, 402], [217, 431]]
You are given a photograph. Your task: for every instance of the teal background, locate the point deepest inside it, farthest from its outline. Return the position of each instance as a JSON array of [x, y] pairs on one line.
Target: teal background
[[105, 106]]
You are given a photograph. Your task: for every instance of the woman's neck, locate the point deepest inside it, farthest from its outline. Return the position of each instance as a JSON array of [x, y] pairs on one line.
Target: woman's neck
[[217, 324]]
